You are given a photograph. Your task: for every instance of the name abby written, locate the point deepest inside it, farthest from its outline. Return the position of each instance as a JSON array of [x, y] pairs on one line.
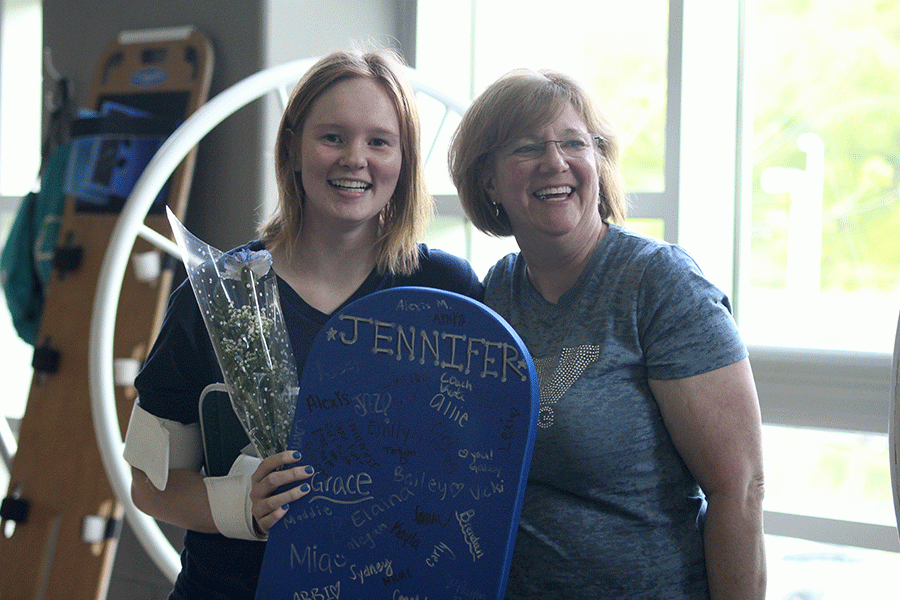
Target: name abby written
[[447, 350]]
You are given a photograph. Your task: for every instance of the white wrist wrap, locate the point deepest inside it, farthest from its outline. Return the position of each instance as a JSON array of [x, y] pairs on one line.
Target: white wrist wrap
[[155, 445], [229, 499]]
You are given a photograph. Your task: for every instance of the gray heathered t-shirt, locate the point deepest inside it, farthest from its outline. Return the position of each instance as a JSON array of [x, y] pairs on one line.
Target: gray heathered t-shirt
[[610, 509]]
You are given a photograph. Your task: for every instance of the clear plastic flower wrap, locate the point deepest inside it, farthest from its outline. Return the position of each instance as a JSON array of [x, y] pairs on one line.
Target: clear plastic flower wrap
[[238, 296]]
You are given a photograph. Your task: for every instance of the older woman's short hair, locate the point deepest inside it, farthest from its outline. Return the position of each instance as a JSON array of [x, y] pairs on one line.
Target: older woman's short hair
[[405, 218], [517, 103]]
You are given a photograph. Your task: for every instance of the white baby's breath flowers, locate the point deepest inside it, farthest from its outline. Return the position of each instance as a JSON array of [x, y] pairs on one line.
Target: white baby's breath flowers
[[238, 296]]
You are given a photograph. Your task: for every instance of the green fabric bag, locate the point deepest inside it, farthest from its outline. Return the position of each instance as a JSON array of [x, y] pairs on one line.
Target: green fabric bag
[[27, 260]]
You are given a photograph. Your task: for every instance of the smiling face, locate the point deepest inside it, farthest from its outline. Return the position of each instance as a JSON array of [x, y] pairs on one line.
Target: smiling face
[[350, 155], [551, 198]]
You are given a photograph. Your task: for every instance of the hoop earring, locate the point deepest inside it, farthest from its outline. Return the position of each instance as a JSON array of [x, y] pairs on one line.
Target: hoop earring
[[496, 207]]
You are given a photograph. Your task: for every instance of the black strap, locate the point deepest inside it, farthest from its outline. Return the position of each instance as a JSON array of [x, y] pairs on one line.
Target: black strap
[[14, 509]]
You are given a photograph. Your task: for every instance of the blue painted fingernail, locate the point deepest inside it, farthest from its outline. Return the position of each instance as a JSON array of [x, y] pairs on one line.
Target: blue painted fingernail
[[309, 470], [285, 507], [304, 488], [297, 454]]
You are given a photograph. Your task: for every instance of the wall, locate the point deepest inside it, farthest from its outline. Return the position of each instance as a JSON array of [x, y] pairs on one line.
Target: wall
[[232, 181]]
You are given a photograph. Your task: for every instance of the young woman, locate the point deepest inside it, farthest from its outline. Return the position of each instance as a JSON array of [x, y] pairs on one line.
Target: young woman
[[352, 206], [646, 479]]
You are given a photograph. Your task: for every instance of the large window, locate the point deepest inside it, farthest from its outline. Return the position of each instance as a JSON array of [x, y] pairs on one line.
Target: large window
[[818, 81], [20, 141], [621, 60], [20, 95], [764, 135], [823, 259]]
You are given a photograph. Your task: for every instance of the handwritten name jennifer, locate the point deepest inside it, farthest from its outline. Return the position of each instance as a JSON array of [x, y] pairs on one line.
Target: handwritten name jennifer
[[446, 350]]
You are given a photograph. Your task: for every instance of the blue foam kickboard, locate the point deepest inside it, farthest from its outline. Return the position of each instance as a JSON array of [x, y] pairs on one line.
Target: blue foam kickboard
[[418, 408]]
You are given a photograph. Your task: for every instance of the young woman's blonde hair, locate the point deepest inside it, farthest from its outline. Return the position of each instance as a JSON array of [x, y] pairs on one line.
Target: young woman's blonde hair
[[404, 220], [514, 105]]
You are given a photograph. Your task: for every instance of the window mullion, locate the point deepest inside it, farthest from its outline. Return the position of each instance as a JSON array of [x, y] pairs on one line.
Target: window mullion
[[708, 137]]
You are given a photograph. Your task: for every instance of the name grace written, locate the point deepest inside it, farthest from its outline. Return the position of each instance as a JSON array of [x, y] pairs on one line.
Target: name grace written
[[446, 350]]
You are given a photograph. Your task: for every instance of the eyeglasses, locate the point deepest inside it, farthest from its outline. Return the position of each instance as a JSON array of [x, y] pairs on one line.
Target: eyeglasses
[[576, 145]]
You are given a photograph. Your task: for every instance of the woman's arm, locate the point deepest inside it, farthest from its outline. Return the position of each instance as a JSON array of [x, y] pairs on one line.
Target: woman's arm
[[714, 421], [216, 505], [183, 502]]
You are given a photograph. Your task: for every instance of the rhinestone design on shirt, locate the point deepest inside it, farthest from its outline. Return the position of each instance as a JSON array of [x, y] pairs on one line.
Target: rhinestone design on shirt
[[554, 382]]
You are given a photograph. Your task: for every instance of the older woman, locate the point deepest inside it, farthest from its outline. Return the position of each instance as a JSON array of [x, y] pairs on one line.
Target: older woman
[[647, 477], [352, 205]]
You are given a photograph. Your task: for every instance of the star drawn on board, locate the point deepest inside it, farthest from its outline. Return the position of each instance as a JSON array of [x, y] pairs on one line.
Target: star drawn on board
[[330, 334]]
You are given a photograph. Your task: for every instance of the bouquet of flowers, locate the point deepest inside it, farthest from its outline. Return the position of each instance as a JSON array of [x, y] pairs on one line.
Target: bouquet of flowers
[[238, 297]]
